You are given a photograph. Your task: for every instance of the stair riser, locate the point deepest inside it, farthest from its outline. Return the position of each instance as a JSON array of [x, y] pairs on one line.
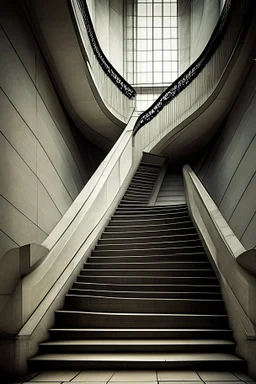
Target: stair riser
[[137, 195], [147, 227], [139, 180], [138, 334], [172, 233], [145, 288], [152, 365], [147, 272], [153, 258], [146, 245], [146, 252], [147, 280], [146, 239], [136, 348], [129, 197], [87, 320], [178, 265], [147, 221], [152, 216], [167, 306], [151, 211], [165, 295]]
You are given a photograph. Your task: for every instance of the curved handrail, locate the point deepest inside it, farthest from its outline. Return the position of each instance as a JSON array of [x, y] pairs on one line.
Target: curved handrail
[[192, 72], [110, 71]]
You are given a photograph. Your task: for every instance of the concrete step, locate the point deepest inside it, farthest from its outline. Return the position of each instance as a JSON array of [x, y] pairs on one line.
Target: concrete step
[[145, 239], [137, 346], [151, 209], [158, 219], [148, 280], [148, 244], [113, 361], [126, 202], [171, 250], [150, 233], [160, 272], [148, 287], [138, 192], [147, 174], [149, 265], [138, 180], [149, 294], [179, 256], [132, 227], [129, 197], [152, 215], [146, 333], [86, 319], [143, 305]]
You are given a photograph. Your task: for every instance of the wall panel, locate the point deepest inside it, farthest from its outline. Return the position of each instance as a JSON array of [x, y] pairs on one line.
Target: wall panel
[[43, 168], [230, 177]]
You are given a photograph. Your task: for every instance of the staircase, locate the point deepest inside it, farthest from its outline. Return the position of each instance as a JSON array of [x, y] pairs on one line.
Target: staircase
[[147, 298], [172, 189]]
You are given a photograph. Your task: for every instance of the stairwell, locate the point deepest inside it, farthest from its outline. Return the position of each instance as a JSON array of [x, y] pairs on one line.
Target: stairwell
[[147, 298]]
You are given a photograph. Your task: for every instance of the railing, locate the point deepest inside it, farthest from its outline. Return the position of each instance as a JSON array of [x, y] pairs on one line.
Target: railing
[[116, 92], [194, 86]]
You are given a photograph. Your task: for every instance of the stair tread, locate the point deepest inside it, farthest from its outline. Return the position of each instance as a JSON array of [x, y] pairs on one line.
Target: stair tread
[[153, 356], [160, 330], [147, 270], [145, 299], [141, 314], [141, 342], [145, 292], [152, 285]]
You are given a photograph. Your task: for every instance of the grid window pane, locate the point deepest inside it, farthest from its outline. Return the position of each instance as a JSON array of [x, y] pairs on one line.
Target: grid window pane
[[142, 10], [158, 55], [158, 44], [167, 33], [174, 9], [174, 22], [167, 22], [157, 22], [141, 22], [174, 33], [142, 33], [158, 66], [141, 56], [158, 9], [158, 78], [157, 33], [167, 66], [167, 9]]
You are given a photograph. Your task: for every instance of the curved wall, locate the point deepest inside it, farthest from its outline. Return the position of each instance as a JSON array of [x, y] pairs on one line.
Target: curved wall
[[109, 26], [42, 168], [197, 20], [228, 171]]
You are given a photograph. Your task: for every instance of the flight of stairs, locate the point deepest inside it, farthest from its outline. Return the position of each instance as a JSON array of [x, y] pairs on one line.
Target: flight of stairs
[[147, 298], [172, 189]]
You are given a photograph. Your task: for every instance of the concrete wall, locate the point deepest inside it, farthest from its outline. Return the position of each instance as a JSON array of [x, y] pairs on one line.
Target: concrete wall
[[197, 20], [109, 26], [229, 170], [42, 169]]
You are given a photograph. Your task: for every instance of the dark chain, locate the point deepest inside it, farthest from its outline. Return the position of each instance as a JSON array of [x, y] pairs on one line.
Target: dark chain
[[110, 71], [192, 72]]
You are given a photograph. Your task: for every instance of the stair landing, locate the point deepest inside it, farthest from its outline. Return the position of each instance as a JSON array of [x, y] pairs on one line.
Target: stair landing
[[141, 376]]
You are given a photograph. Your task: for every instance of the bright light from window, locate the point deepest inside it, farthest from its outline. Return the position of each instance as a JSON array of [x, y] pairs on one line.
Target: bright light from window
[[151, 47]]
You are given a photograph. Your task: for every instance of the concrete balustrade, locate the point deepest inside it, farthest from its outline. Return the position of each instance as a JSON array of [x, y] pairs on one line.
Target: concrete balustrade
[[226, 254], [35, 296]]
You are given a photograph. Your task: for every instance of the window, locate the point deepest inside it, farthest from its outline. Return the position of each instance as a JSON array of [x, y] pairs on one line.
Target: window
[[151, 47]]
